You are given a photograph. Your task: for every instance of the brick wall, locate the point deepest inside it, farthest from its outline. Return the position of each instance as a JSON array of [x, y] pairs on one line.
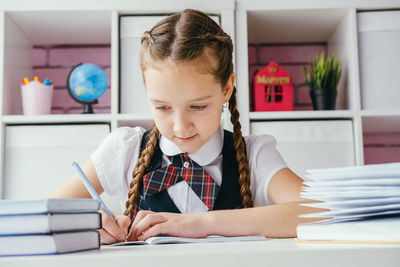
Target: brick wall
[[55, 63], [381, 148]]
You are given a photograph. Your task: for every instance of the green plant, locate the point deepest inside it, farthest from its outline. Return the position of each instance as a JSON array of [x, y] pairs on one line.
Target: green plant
[[324, 72]]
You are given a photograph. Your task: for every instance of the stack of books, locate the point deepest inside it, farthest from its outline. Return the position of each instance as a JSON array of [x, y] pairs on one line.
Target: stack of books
[[48, 226], [362, 202]]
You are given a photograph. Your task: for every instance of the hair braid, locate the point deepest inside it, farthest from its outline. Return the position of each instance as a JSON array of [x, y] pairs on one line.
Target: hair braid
[[243, 165], [143, 162]]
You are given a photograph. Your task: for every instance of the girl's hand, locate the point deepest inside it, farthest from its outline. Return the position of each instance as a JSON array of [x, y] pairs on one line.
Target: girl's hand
[[113, 232], [149, 223]]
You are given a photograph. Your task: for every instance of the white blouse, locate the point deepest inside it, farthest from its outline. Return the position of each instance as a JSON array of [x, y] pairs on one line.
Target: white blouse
[[116, 158]]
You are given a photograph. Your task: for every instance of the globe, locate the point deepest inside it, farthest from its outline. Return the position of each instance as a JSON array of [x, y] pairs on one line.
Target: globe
[[86, 83]]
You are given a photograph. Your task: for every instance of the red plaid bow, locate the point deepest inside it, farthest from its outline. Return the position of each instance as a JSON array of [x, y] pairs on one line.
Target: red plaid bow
[[182, 168]]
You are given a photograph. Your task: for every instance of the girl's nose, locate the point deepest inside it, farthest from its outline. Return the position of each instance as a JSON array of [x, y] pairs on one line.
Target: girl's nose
[[181, 123]]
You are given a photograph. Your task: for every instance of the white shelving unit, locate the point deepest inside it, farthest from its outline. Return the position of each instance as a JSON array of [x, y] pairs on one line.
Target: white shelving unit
[[24, 23], [330, 22]]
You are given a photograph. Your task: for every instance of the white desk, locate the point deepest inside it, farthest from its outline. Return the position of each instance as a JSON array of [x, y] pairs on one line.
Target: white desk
[[277, 252]]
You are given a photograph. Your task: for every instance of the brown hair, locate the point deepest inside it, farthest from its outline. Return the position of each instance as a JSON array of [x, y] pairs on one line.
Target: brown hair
[[181, 38]]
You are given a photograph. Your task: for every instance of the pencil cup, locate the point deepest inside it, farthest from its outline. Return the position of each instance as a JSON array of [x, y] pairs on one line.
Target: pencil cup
[[36, 98]]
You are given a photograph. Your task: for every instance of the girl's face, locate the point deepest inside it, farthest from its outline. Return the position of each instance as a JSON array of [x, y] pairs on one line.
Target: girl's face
[[186, 103]]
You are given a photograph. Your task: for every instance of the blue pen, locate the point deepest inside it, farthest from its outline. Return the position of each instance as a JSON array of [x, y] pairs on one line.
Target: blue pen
[[90, 188]]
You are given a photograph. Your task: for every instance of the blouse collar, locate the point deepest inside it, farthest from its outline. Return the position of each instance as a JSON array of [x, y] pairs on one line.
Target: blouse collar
[[204, 155]]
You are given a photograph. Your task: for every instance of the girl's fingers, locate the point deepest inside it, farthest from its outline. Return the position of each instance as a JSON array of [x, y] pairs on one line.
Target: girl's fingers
[[153, 231], [106, 238], [139, 216], [112, 228], [150, 220], [123, 222]]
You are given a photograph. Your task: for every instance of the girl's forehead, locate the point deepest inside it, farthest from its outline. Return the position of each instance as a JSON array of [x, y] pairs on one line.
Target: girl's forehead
[[196, 66], [177, 83], [206, 63], [178, 73]]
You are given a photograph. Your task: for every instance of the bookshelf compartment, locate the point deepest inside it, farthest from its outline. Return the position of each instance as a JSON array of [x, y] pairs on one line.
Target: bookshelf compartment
[[292, 38], [48, 44]]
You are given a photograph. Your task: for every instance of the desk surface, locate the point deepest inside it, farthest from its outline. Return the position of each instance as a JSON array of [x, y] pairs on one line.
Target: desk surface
[[277, 252]]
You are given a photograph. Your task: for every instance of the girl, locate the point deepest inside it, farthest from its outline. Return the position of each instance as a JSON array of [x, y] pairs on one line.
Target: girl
[[187, 176]]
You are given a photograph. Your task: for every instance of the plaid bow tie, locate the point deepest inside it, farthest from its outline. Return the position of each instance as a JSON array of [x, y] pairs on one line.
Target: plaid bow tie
[[182, 168]]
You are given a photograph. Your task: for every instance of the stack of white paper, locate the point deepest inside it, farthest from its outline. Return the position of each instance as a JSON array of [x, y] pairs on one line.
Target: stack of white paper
[[363, 195]]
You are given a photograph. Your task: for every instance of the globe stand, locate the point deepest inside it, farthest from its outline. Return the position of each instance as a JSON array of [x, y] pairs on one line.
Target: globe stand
[[88, 108]]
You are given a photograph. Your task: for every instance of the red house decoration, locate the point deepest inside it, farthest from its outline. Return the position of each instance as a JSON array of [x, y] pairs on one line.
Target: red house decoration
[[273, 89]]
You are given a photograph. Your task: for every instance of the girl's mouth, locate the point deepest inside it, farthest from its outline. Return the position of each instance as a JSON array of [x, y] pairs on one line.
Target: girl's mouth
[[186, 139]]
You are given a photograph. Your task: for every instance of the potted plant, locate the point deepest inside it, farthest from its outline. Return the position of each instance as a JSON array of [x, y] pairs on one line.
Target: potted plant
[[322, 77]]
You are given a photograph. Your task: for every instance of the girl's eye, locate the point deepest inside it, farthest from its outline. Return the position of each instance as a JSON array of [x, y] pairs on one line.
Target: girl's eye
[[162, 108], [198, 107]]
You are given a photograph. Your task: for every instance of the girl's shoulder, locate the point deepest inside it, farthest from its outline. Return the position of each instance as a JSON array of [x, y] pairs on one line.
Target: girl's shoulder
[[262, 149], [128, 131], [126, 134], [115, 158], [256, 141], [121, 140], [264, 161]]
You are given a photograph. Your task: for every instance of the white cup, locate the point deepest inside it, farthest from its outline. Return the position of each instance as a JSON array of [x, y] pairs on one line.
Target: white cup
[[36, 98]]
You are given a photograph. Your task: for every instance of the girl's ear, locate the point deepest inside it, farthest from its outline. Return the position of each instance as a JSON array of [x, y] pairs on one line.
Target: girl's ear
[[229, 87]]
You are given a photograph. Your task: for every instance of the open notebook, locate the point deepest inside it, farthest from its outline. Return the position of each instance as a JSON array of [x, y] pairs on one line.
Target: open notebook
[[179, 240]]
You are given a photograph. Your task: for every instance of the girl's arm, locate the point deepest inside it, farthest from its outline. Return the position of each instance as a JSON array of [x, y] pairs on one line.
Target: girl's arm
[[277, 220], [74, 188]]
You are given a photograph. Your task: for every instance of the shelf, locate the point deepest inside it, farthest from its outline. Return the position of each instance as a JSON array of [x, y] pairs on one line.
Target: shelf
[[56, 119], [380, 113], [298, 115], [256, 26]]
